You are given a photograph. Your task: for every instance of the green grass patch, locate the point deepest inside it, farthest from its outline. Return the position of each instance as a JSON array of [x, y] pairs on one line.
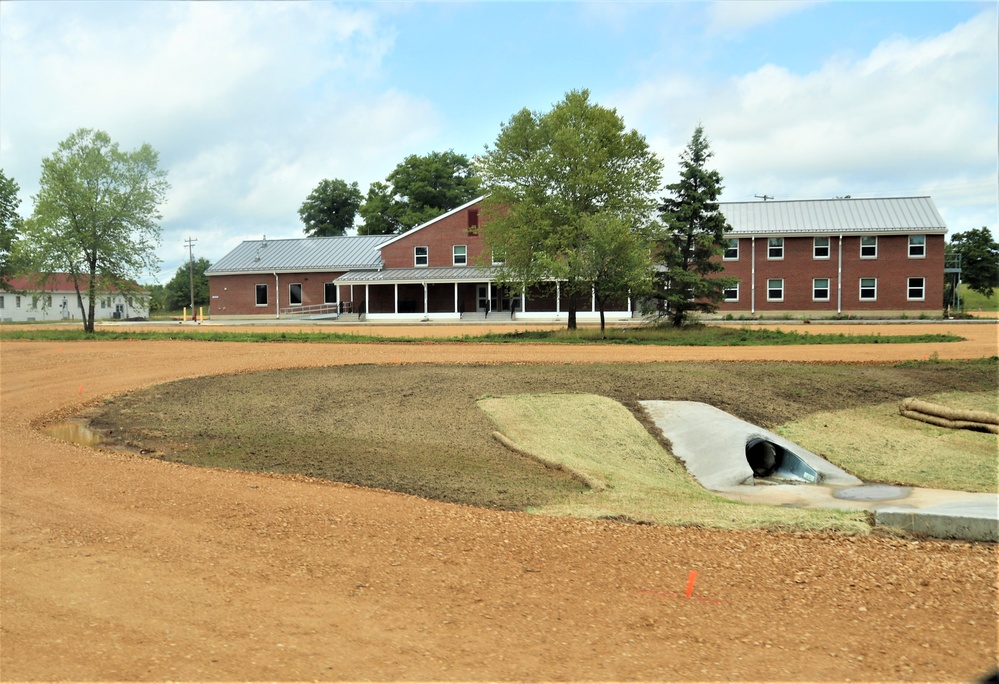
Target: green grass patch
[[634, 477], [973, 301], [694, 336], [877, 444]]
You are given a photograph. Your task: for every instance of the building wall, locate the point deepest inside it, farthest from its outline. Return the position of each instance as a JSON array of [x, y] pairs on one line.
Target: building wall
[[64, 306], [439, 238], [798, 269], [236, 295]]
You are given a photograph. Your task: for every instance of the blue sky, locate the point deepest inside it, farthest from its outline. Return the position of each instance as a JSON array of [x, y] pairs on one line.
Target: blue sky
[[252, 104]]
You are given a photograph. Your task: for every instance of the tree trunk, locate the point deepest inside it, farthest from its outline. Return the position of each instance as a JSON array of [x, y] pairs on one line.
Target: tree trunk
[[571, 325]]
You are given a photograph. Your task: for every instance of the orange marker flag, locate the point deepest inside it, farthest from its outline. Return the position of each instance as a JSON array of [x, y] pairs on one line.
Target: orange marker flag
[[691, 578]]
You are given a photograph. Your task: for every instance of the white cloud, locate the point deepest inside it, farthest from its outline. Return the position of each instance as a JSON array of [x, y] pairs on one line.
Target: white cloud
[[731, 16], [913, 116]]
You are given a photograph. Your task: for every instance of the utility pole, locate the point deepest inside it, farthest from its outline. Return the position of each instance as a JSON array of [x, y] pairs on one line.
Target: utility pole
[[189, 243]]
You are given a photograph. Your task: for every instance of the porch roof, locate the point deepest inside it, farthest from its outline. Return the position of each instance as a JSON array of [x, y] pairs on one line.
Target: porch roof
[[388, 276]]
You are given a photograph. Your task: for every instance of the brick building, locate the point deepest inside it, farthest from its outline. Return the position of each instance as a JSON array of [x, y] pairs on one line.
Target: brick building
[[874, 257], [868, 257]]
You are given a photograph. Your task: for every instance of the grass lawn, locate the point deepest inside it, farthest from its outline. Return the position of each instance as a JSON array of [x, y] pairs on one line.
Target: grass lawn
[[972, 301]]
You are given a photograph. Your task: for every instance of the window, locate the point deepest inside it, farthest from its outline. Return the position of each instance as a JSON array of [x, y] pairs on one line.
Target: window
[[498, 258], [48, 300], [329, 293], [916, 290], [917, 246], [34, 301], [775, 248], [731, 293], [460, 253], [775, 290], [17, 302], [421, 256], [820, 248], [295, 294], [473, 221], [732, 250], [869, 247], [820, 289], [2, 301], [868, 289], [261, 295]]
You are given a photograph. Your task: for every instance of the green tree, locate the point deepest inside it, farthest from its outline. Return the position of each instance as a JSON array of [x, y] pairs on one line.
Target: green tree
[[693, 234], [10, 227], [330, 208], [979, 259], [177, 292], [419, 189], [96, 216], [614, 260], [548, 174]]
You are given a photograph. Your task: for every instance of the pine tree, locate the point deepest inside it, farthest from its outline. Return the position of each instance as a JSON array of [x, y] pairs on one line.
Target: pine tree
[[693, 234]]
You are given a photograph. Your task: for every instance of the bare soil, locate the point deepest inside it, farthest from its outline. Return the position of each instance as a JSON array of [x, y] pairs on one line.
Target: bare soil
[[122, 567]]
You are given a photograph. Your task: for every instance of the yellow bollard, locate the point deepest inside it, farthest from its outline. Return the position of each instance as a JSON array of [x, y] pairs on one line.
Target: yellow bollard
[[201, 314], [185, 314]]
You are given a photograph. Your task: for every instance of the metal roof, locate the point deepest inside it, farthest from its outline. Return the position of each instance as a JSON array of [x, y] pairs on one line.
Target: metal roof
[[834, 216], [418, 275], [303, 254]]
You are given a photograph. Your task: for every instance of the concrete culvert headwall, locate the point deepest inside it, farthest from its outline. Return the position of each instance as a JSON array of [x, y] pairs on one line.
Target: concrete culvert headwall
[[764, 457]]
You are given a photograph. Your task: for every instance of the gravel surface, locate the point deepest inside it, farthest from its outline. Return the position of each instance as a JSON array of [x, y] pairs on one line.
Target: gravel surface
[[119, 567]]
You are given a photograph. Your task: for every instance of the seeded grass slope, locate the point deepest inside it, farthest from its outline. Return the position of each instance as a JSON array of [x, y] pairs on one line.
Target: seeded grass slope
[[636, 477], [877, 444]]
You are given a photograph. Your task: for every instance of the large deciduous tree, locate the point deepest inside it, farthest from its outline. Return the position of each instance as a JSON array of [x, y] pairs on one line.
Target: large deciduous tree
[[330, 208], [549, 176], [177, 292], [96, 216], [10, 226], [419, 189], [979, 259], [693, 234]]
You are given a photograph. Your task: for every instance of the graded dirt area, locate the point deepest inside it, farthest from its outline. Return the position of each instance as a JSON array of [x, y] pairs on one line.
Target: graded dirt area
[[117, 567]]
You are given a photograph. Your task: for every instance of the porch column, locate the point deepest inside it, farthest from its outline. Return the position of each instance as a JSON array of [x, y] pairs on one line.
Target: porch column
[[558, 297], [489, 297], [456, 296], [367, 300], [425, 311], [593, 300], [395, 289], [523, 298]]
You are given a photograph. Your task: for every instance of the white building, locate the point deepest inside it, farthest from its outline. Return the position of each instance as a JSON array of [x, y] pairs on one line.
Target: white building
[[56, 300]]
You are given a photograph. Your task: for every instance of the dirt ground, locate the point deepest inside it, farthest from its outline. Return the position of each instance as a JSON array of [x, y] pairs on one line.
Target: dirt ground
[[118, 567]]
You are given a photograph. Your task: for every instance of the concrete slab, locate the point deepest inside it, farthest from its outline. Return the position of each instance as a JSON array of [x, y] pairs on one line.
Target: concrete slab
[[712, 446]]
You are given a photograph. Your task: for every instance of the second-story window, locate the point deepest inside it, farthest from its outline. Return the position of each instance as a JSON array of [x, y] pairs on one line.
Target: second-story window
[[775, 248], [869, 247], [732, 250], [421, 257], [460, 255], [917, 246], [820, 248]]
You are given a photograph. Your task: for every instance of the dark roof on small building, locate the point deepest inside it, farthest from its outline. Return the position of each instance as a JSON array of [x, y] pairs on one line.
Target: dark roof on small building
[[834, 216], [303, 254]]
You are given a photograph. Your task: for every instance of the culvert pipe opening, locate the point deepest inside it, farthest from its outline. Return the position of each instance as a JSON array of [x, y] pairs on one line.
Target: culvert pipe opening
[[764, 457]]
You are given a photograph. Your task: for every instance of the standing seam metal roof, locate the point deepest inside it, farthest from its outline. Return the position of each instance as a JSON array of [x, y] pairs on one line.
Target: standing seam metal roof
[[304, 254], [834, 216], [419, 275]]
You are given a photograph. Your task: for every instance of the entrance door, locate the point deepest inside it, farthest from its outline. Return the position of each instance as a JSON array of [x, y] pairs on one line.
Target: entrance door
[[481, 298]]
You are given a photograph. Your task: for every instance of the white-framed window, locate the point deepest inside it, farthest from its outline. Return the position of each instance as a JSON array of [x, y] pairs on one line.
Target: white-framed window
[[775, 290], [261, 295], [869, 247], [421, 257], [17, 301], [868, 289], [820, 248], [329, 293], [2, 302], [731, 293], [498, 257], [820, 289], [916, 290], [775, 248], [459, 255], [295, 294], [732, 250], [917, 246]]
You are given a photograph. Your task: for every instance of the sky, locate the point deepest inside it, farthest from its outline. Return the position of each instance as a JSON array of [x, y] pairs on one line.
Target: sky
[[250, 105]]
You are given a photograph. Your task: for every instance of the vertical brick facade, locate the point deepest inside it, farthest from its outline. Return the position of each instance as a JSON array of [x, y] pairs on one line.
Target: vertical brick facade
[[440, 239]]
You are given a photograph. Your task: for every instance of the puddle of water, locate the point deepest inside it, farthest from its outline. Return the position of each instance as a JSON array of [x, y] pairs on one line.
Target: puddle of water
[[77, 433]]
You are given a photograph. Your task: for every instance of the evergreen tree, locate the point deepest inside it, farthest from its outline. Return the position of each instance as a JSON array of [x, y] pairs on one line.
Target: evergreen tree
[[693, 235]]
